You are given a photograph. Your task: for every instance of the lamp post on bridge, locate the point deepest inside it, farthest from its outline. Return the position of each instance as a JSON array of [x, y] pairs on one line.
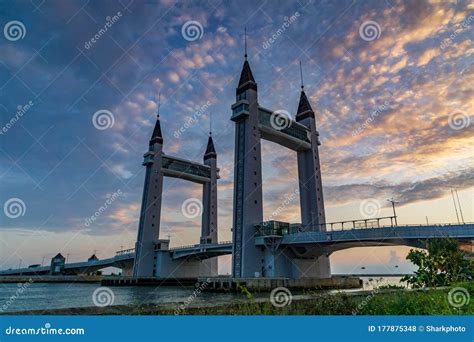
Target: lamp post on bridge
[[393, 207]]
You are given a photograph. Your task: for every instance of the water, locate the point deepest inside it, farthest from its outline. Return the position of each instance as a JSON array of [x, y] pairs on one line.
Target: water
[[42, 296]]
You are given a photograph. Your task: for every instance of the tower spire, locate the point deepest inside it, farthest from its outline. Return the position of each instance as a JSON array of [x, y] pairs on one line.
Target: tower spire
[[245, 40], [158, 104], [157, 137], [301, 76], [210, 123], [304, 107]]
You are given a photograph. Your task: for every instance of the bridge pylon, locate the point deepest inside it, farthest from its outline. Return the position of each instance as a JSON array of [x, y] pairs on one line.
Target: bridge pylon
[[153, 258], [253, 123]]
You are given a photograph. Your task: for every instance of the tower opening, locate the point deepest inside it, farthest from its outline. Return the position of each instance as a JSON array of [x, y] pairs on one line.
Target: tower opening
[[280, 187]]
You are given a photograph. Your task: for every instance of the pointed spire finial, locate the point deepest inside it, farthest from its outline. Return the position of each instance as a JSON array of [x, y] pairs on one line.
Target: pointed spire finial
[[210, 123], [301, 76], [158, 104], [245, 38]]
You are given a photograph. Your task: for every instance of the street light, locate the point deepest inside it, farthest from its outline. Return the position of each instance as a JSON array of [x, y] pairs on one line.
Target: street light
[[393, 207]]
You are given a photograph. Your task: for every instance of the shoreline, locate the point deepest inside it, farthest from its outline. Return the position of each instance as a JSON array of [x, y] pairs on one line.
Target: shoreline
[[363, 302]]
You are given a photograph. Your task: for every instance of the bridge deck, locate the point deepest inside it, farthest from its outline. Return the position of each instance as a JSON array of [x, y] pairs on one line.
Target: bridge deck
[[337, 239], [384, 233]]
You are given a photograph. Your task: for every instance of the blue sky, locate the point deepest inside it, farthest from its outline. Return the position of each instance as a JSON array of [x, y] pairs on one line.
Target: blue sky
[[394, 110]]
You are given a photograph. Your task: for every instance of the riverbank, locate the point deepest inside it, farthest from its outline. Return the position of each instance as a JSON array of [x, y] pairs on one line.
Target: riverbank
[[51, 279], [376, 302]]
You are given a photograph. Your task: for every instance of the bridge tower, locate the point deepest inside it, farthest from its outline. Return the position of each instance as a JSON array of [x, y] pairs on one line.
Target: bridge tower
[[209, 196], [150, 214], [153, 256], [253, 123], [248, 206], [309, 170]]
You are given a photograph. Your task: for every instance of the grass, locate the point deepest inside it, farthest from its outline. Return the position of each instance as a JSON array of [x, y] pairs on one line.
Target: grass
[[396, 301], [421, 302]]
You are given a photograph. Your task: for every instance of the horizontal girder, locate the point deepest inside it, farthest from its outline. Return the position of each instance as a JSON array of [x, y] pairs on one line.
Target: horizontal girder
[[282, 130], [185, 169]]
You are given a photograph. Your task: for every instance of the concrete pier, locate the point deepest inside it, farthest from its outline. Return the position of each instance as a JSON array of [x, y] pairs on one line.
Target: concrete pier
[[148, 281], [224, 284]]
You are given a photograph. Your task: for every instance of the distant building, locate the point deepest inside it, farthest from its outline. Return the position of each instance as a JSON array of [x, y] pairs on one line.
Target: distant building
[[57, 264], [93, 258]]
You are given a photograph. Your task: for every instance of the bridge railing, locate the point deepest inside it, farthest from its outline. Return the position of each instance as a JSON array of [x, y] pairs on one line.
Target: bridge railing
[[376, 222], [278, 228], [125, 251], [199, 245]]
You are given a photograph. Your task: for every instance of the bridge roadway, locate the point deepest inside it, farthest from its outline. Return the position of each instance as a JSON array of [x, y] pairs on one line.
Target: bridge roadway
[[303, 244], [77, 267], [313, 244]]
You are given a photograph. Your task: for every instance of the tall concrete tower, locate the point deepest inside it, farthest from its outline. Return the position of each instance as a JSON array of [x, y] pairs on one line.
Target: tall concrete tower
[[309, 171], [313, 217], [149, 226], [248, 209], [209, 196]]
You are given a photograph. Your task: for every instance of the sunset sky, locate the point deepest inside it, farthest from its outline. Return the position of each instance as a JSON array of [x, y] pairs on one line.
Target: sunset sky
[[394, 107]]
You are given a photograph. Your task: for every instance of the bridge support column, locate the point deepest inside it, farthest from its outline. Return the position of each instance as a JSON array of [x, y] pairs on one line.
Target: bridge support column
[[309, 173], [311, 268], [167, 267], [209, 197], [248, 209], [149, 226]]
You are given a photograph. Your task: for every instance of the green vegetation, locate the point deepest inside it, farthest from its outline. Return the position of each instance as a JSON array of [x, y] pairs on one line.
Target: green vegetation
[[245, 291], [378, 302], [442, 264], [418, 302]]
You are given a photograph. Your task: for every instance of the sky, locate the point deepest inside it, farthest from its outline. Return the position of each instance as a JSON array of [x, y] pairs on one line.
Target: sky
[[391, 83]]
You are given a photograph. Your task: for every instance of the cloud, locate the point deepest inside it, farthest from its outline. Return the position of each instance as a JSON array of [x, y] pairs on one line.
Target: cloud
[[122, 171], [427, 56], [406, 192], [126, 215]]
